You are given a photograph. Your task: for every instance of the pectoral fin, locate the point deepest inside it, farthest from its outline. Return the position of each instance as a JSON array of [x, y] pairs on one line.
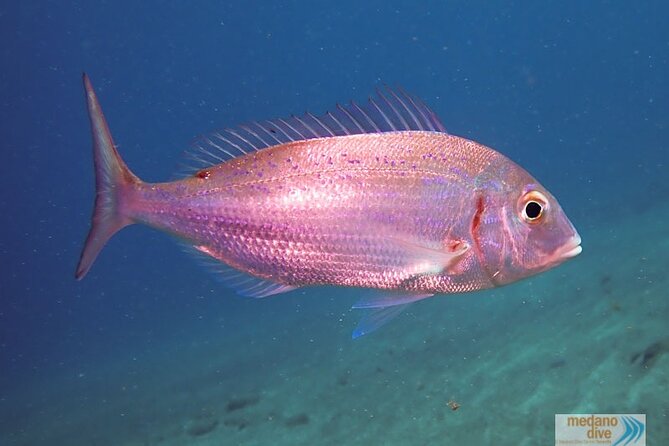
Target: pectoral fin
[[425, 258]]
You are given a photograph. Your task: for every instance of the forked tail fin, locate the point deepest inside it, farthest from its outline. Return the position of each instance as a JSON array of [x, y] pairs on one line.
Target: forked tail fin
[[113, 182]]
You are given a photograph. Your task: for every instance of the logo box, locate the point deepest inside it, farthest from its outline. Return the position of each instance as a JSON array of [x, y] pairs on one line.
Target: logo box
[[610, 429]]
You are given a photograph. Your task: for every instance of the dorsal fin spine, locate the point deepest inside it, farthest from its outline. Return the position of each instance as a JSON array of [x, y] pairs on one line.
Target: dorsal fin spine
[[321, 123], [366, 116], [334, 118], [241, 138], [397, 112], [411, 114], [222, 149], [267, 132], [421, 124], [306, 126], [214, 144], [351, 117], [248, 129], [280, 129], [283, 121], [383, 115], [224, 139]]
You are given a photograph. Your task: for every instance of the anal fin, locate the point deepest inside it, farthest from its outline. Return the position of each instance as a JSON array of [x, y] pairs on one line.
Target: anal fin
[[242, 283], [250, 286]]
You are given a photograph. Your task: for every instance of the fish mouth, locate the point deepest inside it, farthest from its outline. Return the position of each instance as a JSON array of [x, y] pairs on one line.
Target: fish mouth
[[570, 249]]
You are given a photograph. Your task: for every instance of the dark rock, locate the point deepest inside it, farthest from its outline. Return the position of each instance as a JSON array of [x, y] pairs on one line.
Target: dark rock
[[203, 426], [647, 357], [561, 362], [238, 423], [240, 403], [297, 420], [343, 380], [605, 283]]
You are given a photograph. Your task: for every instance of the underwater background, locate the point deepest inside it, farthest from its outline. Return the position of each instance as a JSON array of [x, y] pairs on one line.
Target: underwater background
[[150, 349]]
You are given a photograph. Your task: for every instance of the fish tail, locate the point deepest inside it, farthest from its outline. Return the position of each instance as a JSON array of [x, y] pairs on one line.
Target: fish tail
[[114, 183]]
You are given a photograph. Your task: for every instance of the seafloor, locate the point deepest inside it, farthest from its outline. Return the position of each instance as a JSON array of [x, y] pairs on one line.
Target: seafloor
[[590, 336]]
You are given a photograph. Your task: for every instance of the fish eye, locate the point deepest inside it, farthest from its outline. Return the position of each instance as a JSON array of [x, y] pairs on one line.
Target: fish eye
[[533, 210], [534, 204]]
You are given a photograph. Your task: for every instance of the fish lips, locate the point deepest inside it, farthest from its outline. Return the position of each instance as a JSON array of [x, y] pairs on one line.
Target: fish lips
[[570, 249]]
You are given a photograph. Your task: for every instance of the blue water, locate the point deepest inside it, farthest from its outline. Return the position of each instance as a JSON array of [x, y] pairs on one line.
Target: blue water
[[576, 92]]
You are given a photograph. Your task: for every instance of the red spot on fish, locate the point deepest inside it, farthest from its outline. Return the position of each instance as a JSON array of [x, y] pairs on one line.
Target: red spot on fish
[[454, 245], [203, 174]]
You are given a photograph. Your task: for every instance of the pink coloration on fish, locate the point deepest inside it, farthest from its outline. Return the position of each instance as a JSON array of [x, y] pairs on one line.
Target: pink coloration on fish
[[378, 198]]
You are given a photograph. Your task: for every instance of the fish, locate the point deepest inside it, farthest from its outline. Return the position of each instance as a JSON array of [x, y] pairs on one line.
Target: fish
[[376, 196]]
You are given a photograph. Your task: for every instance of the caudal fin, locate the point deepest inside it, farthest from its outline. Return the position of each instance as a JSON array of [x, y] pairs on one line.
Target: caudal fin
[[113, 182]]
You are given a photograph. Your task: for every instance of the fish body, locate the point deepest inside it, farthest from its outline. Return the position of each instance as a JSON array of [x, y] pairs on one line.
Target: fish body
[[350, 210], [408, 209]]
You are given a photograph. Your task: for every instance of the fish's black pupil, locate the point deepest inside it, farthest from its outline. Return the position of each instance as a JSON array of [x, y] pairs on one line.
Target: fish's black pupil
[[532, 210]]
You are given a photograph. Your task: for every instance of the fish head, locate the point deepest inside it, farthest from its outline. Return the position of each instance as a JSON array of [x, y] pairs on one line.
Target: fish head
[[524, 230]]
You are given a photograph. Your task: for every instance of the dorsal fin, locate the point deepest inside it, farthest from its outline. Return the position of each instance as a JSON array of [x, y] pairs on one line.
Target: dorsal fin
[[390, 111]]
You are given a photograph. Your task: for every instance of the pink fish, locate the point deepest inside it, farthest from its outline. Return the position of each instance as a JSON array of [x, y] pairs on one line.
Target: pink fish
[[374, 197]]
